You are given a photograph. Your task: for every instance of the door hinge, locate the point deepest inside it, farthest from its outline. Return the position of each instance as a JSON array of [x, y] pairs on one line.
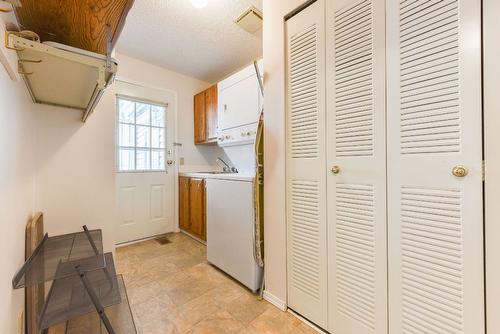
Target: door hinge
[[483, 170]]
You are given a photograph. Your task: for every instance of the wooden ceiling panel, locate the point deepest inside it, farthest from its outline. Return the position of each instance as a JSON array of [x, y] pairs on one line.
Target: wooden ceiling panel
[[78, 23]]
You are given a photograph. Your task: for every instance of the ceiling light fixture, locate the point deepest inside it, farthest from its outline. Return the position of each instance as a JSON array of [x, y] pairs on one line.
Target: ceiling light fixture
[[199, 3]]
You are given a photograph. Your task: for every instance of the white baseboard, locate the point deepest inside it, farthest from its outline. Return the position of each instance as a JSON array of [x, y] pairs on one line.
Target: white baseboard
[[128, 243], [193, 237], [307, 322], [283, 307], [275, 301]]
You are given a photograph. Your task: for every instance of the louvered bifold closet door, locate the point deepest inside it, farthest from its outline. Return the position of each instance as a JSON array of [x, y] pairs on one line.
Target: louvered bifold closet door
[[356, 110], [435, 205], [306, 176]]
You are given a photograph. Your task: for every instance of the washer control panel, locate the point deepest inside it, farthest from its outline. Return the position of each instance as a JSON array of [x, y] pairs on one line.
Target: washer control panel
[[241, 135]]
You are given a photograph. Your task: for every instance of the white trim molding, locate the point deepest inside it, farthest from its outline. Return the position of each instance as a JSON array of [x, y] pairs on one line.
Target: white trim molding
[[131, 242], [275, 301], [491, 86], [307, 322]]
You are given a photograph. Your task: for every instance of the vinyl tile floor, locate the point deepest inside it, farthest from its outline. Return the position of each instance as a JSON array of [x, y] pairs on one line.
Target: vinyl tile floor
[[172, 289]]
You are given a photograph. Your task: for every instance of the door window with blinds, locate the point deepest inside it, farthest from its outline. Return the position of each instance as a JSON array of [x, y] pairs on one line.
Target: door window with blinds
[[141, 135]]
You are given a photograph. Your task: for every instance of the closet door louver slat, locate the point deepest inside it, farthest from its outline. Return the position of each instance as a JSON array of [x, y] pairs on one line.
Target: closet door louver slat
[[434, 123], [306, 184], [356, 143]]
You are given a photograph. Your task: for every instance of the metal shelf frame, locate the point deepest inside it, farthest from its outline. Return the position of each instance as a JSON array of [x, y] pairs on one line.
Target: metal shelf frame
[[40, 59], [81, 282]]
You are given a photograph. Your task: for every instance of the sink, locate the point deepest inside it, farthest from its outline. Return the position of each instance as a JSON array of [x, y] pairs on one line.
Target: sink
[[219, 172]]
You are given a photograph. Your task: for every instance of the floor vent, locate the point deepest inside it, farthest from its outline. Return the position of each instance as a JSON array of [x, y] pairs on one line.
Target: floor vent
[[162, 240]]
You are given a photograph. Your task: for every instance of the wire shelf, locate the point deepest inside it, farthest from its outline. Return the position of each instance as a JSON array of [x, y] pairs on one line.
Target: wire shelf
[[86, 294], [120, 316], [68, 297], [56, 257]]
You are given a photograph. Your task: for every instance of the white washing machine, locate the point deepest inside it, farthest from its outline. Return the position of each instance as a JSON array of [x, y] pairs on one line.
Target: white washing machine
[[230, 229]]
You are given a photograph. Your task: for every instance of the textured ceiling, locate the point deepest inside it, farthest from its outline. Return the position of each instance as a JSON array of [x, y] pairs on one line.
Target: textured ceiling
[[202, 43]]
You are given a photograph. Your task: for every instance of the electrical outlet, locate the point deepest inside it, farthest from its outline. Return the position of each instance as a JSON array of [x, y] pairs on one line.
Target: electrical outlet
[[20, 323]]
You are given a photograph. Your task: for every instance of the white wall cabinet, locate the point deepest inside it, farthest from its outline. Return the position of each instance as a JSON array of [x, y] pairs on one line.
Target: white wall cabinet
[[384, 166]]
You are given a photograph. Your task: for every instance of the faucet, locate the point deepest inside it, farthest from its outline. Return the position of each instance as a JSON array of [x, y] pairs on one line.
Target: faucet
[[227, 168]]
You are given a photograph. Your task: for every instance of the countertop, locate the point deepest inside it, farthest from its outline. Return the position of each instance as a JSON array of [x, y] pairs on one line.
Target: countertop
[[229, 176]]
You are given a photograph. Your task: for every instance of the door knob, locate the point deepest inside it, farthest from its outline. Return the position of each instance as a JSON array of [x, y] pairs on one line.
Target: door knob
[[170, 162], [335, 169], [459, 171]]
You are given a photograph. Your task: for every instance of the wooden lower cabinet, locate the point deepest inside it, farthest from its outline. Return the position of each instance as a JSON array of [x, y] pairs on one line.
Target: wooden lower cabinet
[[197, 208], [192, 207], [184, 203]]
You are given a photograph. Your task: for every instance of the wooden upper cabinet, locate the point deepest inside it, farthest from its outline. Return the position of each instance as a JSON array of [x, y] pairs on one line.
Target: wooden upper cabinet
[[197, 208], [200, 131], [211, 104], [205, 116], [83, 24]]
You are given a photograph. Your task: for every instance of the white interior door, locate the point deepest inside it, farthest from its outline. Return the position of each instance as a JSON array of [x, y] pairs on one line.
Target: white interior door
[[145, 177], [434, 125], [356, 113], [306, 160]]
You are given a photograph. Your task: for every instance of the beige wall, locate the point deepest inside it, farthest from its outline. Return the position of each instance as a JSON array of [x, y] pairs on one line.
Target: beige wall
[[17, 165], [75, 179], [274, 145]]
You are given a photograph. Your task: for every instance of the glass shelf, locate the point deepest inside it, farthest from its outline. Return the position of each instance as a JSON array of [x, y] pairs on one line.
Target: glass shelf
[[120, 316], [56, 257], [68, 297]]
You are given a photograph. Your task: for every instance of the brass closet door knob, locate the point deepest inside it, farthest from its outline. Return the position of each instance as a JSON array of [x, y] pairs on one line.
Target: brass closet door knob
[[459, 171], [335, 169]]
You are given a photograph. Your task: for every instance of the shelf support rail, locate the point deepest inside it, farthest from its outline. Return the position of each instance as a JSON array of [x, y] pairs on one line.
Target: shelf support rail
[[95, 301], [96, 251], [108, 47]]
